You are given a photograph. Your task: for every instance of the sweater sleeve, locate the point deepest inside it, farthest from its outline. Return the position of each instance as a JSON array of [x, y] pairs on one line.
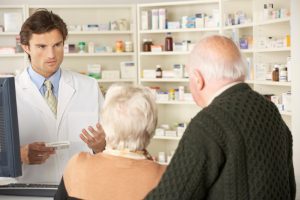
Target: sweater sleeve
[[194, 167], [291, 168]]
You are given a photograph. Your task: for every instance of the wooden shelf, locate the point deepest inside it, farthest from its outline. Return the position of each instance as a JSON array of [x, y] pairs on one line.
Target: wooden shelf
[[97, 54], [12, 55], [273, 83], [9, 33], [179, 3], [186, 30], [250, 25], [165, 53], [176, 102], [166, 138], [171, 80], [274, 21], [99, 32], [114, 80], [285, 113], [272, 49]]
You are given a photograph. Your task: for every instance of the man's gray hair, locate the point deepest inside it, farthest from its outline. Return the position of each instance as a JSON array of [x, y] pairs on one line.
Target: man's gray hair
[[217, 57], [129, 117]]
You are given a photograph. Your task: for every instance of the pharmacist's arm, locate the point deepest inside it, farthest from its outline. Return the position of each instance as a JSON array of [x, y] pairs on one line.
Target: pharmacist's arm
[[95, 140], [35, 153]]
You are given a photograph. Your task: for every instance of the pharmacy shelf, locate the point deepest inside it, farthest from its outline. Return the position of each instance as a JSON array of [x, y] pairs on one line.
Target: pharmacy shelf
[[285, 113], [170, 80], [186, 30], [249, 81], [162, 163], [103, 6], [272, 50], [246, 50], [99, 32], [97, 54], [12, 55], [176, 102], [114, 80], [179, 3], [166, 138], [273, 83], [165, 53], [9, 33], [250, 25], [274, 21]]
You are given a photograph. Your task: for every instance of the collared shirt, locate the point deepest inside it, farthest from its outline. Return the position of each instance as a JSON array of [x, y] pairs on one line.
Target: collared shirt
[[39, 80], [222, 90]]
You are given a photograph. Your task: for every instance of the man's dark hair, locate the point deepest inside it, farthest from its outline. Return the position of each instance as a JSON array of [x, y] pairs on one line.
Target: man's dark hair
[[42, 21]]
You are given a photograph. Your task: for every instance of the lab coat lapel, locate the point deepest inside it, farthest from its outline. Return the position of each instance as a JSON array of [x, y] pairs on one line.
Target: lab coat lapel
[[33, 95], [65, 94]]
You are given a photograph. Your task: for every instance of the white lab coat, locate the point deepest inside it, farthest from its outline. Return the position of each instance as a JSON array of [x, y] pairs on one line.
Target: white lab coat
[[79, 103]]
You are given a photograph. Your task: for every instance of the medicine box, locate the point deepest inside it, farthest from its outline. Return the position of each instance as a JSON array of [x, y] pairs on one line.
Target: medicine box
[[149, 73], [12, 21], [110, 74], [128, 70], [170, 133], [168, 74], [160, 132], [94, 70], [173, 25]]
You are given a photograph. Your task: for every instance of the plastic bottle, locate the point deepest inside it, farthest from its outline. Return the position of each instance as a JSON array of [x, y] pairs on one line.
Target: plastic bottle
[[169, 42]]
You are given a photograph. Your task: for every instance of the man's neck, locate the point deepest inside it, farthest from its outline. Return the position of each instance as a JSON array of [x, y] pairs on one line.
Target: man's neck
[[216, 89]]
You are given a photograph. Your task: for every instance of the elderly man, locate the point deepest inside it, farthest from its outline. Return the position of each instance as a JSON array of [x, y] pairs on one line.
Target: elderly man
[[238, 146]]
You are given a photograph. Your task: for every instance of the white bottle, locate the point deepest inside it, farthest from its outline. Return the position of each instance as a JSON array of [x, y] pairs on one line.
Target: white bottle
[[266, 12], [91, 47]]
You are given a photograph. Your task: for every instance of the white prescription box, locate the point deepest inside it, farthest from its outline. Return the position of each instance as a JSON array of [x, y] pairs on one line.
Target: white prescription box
[[128, 70], [110, 74]]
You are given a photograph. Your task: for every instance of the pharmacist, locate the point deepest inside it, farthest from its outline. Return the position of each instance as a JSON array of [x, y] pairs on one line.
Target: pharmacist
[[54, 105]]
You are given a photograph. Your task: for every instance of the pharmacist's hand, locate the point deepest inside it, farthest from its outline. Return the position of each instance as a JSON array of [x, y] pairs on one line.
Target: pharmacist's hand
[[95, 139], [35, 153]]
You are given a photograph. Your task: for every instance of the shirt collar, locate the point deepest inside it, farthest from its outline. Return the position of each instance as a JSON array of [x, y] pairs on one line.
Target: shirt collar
[[221, 90], [39, 80]]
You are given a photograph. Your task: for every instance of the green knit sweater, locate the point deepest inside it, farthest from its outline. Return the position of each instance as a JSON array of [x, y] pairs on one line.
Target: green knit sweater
[[237, 148]]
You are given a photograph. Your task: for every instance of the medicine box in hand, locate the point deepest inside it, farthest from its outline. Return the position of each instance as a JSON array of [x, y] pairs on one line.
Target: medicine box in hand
[[58, 145]]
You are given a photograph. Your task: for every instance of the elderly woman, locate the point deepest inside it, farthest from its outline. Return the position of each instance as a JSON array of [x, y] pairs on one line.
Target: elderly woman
[[123, 170]]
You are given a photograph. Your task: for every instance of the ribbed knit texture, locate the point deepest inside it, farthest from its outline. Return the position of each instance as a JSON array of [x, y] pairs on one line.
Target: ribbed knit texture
[[237, 148]]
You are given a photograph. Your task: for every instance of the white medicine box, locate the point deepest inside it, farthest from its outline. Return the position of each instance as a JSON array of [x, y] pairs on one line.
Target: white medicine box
[[12, 21], [110, 74], [128, 70]]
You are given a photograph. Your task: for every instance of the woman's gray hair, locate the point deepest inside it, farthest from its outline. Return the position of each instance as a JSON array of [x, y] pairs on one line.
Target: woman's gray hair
[[217, 57], [128, 117]]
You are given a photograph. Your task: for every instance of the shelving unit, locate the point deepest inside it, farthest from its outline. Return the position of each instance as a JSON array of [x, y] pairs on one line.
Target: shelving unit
[[9, 63], [172, 111], [253, 28]]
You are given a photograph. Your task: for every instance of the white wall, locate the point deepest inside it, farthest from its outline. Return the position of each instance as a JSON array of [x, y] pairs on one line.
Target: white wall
[[295, 36]]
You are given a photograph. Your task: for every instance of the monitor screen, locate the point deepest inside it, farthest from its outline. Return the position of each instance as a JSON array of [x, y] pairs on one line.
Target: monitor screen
[[10, 160]]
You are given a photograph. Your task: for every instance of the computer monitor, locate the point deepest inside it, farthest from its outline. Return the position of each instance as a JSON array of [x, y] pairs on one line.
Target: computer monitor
[[10, 160]]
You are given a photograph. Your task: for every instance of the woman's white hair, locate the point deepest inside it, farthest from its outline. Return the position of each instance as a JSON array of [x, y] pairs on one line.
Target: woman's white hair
[[217, 57], [128, 117]]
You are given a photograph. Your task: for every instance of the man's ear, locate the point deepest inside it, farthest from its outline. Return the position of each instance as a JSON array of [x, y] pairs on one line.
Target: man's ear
[[200, 81], [26, 48]]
